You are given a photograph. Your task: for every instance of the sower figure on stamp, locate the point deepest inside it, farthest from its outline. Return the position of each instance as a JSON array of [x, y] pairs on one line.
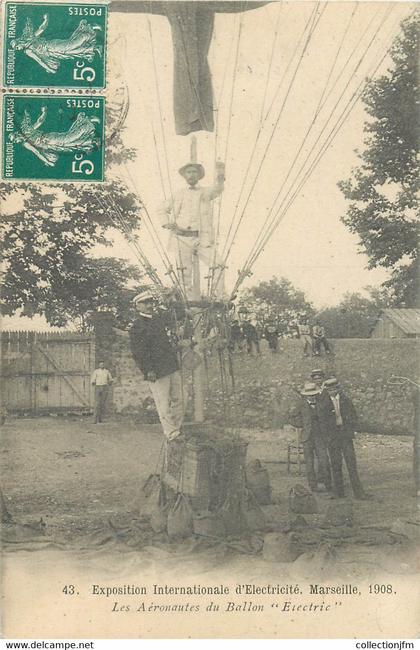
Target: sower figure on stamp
[[338, 419], [101, 379], [314, 441], [81, 136], [188, 216], [156, 356], [49, 53]]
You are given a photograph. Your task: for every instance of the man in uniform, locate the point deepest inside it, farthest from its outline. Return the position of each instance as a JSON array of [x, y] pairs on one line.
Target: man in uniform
[[156, 356], [188, 215]]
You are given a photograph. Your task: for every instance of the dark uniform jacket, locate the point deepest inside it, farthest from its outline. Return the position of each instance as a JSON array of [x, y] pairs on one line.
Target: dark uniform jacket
[[152, 348], [304, 416], [327, 415]]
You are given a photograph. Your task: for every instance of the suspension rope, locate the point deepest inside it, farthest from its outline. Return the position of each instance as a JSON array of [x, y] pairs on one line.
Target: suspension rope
[[144, 210], [222, 88], [157, 242], [385, 17], [162, 128], [260, 131], [152, 128], [141, 255], [307, 173], [230, 113], [312, 22], [182, 280], [308, 39], [262, 235], [308, 131], [270, 64]]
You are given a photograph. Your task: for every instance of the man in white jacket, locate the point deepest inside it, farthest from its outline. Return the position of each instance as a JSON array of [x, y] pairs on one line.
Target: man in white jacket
[[188, 214]]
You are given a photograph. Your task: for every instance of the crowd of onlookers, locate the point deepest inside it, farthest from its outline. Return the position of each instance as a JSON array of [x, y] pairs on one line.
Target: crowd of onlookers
[[246, 333]]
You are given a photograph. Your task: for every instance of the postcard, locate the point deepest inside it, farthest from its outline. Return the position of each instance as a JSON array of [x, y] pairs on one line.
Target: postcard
[[210, 299]]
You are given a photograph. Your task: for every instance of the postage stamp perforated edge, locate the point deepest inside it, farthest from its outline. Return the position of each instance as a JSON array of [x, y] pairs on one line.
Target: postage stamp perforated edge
[[44, 97], [57, 87]]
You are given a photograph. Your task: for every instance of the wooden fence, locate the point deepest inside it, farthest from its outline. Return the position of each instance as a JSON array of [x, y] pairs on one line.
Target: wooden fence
[[47, 372]]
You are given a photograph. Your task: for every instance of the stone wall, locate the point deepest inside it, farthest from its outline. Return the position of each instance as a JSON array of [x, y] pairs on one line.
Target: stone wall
[[264, 386], [131, 394]]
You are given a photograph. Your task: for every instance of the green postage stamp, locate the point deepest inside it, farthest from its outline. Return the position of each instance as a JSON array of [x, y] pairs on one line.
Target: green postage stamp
[[53, 138], [54, 45]]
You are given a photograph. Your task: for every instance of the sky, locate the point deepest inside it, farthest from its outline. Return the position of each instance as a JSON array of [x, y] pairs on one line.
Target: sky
[[311, 246]]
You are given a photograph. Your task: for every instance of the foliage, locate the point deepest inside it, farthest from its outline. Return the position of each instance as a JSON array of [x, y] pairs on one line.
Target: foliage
[[46, 245], [383, 190], [92, 285], [274, 299], [48, 239], [355, 315]]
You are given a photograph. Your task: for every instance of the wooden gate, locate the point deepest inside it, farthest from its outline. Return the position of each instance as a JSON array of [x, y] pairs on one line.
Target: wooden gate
[[47, 372]]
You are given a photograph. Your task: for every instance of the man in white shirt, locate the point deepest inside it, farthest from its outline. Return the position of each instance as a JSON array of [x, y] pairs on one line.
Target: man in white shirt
[[188, 215], [101, 379]]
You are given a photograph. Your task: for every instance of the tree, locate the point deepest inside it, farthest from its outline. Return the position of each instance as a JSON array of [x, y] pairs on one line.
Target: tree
[[48, 241], [92, 285], [276, 298], [355, 315], [383, 191], [47, 244]]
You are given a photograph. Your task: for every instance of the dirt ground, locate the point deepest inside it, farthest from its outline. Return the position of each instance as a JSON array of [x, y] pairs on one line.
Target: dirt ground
[[76, 475]]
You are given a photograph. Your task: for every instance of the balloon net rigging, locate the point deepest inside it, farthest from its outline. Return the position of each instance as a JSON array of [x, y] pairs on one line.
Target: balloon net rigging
[[355, 54]]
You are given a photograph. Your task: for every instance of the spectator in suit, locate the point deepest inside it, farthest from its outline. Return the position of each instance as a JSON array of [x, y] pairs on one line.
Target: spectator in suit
[[338, 419], [305, 417]]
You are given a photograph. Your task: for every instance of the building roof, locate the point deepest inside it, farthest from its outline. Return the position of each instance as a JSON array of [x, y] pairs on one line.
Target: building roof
[[408, 320]]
